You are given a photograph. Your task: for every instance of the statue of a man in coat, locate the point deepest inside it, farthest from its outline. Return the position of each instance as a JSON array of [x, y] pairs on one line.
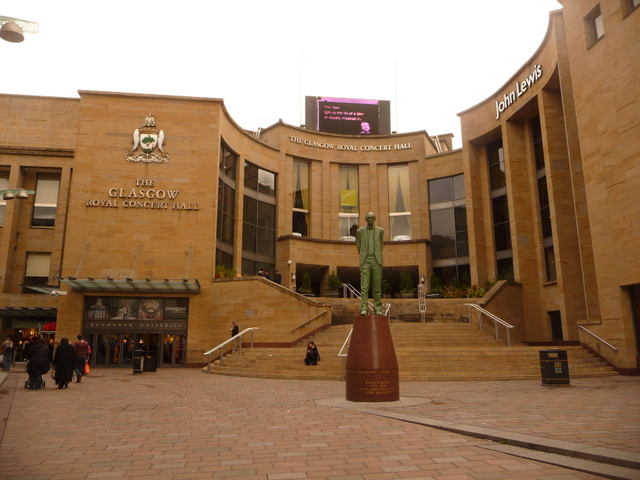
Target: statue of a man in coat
[[369, 240]]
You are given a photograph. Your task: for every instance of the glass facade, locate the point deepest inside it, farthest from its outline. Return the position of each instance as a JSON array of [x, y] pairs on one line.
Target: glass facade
[[226, 215], [499, 207], [449, 235], [543, 200], [349, 202], [301, 200], [399, 204], [258, 219]]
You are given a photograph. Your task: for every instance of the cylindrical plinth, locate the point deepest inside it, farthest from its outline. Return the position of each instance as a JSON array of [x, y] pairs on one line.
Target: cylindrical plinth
[[372, 367]]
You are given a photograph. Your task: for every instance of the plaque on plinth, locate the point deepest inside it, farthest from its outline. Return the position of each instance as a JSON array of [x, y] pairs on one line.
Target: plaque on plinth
[[372, 367]]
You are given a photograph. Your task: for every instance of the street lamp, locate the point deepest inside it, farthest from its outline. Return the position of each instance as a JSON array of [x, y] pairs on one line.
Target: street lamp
[[19, 193], [13, 29]]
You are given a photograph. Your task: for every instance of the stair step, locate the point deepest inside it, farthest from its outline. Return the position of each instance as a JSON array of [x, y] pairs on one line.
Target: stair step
[[451, 351]]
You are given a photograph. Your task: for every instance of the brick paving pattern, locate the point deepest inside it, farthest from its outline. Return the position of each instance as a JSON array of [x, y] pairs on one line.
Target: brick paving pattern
[[182, 424]]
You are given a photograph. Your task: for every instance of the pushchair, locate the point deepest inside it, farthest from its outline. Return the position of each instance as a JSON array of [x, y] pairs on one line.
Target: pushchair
[[27, 383]]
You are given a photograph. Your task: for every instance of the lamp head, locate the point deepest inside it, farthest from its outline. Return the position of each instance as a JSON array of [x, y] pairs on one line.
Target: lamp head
[[11, 32], [8, 196], [22, 194]]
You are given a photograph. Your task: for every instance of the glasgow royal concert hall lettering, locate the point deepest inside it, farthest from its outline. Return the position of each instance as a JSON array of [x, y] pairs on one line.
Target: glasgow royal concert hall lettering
[[144, 195]]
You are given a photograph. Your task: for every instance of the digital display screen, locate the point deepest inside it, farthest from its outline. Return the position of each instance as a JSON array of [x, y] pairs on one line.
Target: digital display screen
[[347, 116]]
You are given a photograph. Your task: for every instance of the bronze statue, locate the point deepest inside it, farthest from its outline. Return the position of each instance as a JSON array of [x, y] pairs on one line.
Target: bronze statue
[[370, 240]]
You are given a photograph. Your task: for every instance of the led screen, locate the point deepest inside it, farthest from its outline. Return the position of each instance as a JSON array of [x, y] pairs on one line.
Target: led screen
[[347, 116]]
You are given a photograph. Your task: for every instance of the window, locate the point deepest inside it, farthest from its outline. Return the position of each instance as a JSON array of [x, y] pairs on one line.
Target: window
[[226, 214], [259, 226], [399, 205], [499, 205], [37, 272], [449, 237], [259, 180], [46, 201], [543, 199], [228, 162], [349, 202], [301, 201], [594, 26], [4, 185]]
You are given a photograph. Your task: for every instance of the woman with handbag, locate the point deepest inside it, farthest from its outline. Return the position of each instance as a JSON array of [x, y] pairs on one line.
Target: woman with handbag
[[63, 361]]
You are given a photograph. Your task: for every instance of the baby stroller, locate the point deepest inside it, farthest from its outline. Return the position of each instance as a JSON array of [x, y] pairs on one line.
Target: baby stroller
[[27, 383]]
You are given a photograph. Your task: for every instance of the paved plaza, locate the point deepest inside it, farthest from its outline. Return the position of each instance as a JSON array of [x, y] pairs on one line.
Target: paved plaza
[[183, 424]]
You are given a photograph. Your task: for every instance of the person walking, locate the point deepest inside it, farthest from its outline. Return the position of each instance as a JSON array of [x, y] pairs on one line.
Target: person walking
[[8, 347], [63, 362], [234, 331], [81, 348], [38, 363]]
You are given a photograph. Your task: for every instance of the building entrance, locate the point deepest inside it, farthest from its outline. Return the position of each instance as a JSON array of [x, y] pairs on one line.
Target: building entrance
[[116, 349]]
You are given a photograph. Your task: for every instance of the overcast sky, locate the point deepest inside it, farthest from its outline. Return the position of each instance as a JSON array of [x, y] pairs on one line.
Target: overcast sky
[[430, 58]]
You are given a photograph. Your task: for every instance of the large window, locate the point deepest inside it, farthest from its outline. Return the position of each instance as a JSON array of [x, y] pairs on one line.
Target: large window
[[259, 212], [301, 198], [543, 199], [46, 201], [399, 205], [500, 207], [449, 236], [226, 215], [349, 202], [4, 185], [37, 271]]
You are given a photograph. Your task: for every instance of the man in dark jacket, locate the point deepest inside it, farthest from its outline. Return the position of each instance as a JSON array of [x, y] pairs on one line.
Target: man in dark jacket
[[38, 363]]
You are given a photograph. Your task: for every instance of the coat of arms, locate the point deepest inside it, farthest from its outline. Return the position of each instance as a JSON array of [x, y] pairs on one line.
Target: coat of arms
[[148, 138]]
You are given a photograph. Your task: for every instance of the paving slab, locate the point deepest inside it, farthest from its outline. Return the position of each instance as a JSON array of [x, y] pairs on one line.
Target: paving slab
[[183, 424]]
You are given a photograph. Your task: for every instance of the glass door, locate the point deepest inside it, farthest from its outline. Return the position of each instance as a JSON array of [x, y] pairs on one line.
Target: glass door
[[173, 350]]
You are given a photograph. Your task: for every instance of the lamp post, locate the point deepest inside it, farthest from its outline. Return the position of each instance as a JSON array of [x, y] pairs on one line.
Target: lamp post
[[13, 29], [19, 193]]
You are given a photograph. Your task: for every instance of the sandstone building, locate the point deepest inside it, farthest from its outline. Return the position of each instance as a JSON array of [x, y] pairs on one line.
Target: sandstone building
[[141, 201]]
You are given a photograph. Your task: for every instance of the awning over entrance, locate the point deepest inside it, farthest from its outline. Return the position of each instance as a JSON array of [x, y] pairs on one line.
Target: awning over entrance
[[131, 285], [28, 312]]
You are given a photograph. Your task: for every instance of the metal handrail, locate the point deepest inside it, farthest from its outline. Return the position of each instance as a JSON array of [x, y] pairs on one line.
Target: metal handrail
[[497, 321], [308, 321], [348, 288], [422, 303], [226, 342], [344, 354], [596, 336]]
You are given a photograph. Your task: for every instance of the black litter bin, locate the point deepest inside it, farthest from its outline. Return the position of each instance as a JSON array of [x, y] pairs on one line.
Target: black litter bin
[[150, 361], [138, 361], [554, 367]]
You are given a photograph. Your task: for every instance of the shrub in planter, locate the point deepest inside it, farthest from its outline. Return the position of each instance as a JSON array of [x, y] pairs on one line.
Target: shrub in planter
[[333, 282], [406, 284]]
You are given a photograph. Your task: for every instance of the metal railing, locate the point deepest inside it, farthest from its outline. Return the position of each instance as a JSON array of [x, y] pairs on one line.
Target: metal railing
[[597, 337], [496, 321], [349, 291], [308, 321], [222, 346], [422, 303], [344, 353]]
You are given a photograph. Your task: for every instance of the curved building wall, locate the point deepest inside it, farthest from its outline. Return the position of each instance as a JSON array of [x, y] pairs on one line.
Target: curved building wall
[[543, 192]]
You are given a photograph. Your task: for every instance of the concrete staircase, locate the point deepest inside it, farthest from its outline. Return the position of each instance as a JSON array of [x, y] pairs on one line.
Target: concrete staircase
[[446, 351]]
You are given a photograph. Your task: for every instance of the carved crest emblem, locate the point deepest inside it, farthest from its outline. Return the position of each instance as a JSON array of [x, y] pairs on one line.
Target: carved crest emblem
[[148, 138]]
